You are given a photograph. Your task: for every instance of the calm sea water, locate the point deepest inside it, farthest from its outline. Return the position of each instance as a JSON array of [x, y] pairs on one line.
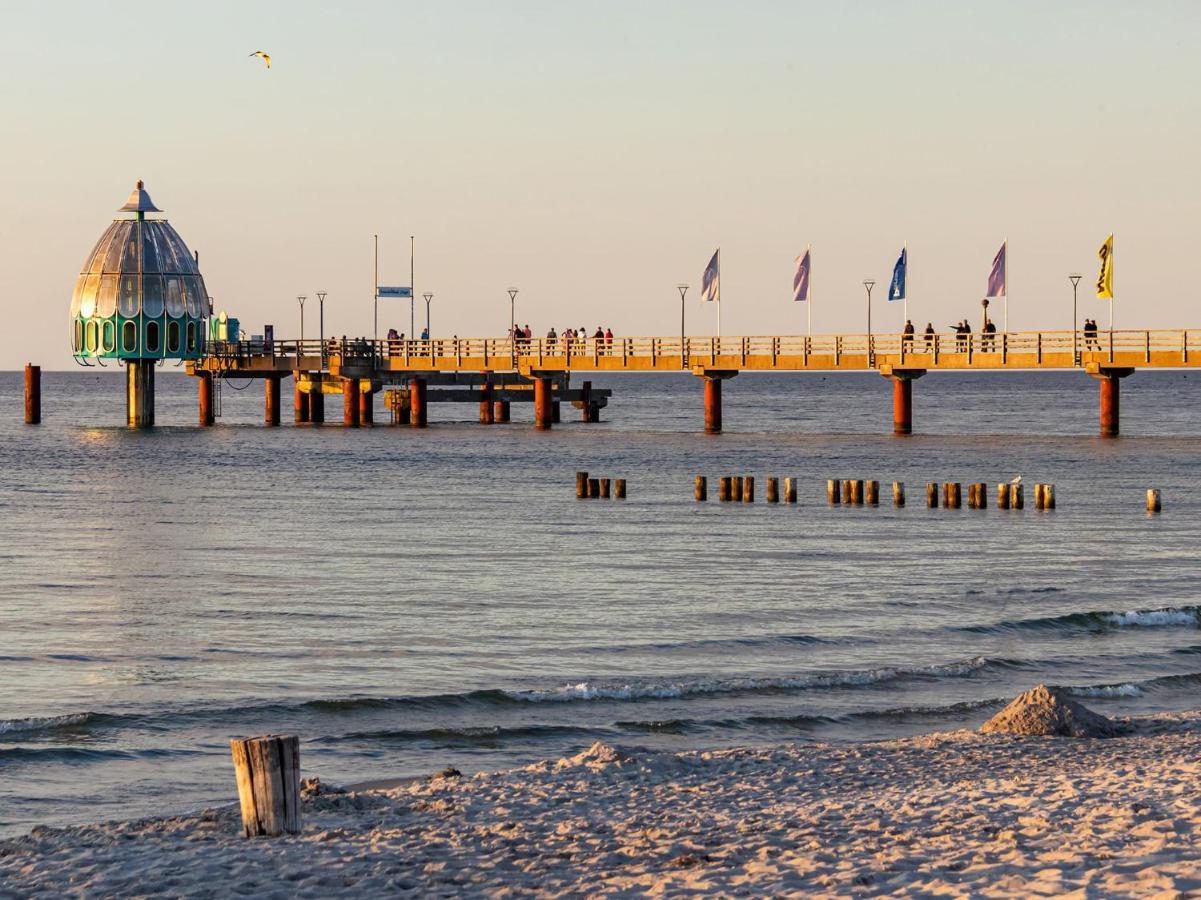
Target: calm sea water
[[406, 599]]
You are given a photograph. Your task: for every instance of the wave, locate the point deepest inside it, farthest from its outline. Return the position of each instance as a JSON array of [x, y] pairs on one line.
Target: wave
[[34, 724], [719, 643], [1168, 616], [69, 754]]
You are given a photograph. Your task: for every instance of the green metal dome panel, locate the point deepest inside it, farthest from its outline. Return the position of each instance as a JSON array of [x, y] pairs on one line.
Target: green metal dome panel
[[139, 294]]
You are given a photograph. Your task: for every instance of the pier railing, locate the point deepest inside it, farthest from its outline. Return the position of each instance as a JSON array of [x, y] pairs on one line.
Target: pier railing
[[1022, 349]]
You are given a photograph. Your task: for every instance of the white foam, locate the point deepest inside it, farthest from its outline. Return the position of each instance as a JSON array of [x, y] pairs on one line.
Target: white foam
[[1153, 617], [1107, 690], [41, 724]]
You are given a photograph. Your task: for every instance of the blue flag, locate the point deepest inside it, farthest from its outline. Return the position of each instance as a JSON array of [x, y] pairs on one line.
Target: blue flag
[[896, 290]]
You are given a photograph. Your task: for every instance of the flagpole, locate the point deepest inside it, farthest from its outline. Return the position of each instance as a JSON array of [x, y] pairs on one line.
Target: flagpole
[[809, 299], [719, 293], [375, 288], [412, 293], [1005, 308], [905, 299]]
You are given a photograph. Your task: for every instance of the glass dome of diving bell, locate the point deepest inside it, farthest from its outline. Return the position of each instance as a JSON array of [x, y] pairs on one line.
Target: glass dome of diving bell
[[139, 294]]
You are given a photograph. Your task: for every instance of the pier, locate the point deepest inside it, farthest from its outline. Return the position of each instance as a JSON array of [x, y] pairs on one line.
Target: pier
[[496, 371]]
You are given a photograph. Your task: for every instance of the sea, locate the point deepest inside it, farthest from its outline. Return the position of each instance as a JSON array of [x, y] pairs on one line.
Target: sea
[[406, 600]]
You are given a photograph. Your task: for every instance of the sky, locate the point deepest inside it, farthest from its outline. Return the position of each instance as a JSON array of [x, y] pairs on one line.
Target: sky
[[594, 156]]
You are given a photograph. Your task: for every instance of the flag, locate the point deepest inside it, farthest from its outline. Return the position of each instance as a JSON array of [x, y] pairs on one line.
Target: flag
[[800, 280], [996, 278], [711, 280], [896, 290], [1105, 277]]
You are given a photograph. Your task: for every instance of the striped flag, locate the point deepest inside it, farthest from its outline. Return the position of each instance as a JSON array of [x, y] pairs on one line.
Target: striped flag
[[996, 278], [711, 280], [800, 279]]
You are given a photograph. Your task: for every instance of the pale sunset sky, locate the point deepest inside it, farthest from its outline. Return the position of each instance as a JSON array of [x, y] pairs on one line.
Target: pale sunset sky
[[594, 154]]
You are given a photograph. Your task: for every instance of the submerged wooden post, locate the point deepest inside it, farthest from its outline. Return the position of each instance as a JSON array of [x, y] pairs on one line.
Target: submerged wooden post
[[1017, 497], [724, 488], [1003, 495], [773, 490], [981, 495], [872, 493], [846, 491], [593, 488], [736, 488], [748, 489], [857, 491], [898, 493], [581, 485], [701, 489], [619, 488], [1153, 504], [955, 494], [832, 491], [33, 394], [790, 490], [268, 774], [932, 494], [1049, 496], [604, 488]]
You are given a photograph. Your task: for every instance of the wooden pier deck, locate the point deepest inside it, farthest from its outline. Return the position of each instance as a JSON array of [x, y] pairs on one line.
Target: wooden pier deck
[[365, 366]]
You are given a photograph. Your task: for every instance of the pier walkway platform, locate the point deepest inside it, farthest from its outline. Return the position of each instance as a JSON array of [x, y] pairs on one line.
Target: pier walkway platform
[[542, 366]]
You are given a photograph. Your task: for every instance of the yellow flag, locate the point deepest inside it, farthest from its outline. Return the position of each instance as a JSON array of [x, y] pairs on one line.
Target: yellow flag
[[1105, 278]]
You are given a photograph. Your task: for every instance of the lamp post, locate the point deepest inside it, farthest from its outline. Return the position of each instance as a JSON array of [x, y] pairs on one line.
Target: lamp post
[[321, 323], [512, 319], [1074, 278], [869, 283], [428, 297], [683, 289], [300, 299]]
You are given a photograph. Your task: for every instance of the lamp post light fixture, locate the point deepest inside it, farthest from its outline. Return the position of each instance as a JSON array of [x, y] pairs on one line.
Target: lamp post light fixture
[[321, 323], [428, 297], [300, 299], [683, 289], [1074, 278], [869, 283], [512, 318]]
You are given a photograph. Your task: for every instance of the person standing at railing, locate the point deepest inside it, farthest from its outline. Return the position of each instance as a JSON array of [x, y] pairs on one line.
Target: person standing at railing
[[929, 336], [609, 341], [907, 335], [425, 334], [551, 337], [989, 341]]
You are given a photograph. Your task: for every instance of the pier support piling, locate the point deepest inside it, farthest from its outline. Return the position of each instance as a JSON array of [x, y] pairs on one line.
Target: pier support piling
[[417, 405], [366, 406], [205, 389], [487, 411], [316, 406], [300, 402], [271, 400], [500, 411], [543, 396], [33, 394], [902, 398], [139, 375], [350, 402], [1111, 394], [712, 406]]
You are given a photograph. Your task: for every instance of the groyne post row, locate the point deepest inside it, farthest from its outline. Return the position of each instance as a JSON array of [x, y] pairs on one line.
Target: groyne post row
[[587, 488]]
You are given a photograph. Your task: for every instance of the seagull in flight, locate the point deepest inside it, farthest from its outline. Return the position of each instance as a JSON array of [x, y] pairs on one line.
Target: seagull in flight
[[266, 57]]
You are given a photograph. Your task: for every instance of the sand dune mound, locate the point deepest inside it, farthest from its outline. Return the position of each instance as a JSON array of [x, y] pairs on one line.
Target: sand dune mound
[[1046, 711]]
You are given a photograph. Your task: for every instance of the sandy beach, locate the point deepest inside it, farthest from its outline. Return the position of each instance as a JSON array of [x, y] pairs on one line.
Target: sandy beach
[[953, 814]]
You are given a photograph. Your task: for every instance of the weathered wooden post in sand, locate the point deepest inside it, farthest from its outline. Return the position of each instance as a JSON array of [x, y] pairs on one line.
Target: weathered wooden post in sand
[[268, 773]]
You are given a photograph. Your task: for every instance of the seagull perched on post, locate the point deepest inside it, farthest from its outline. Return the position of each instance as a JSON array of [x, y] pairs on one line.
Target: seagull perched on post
[[266, 57], [1016, 481]]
